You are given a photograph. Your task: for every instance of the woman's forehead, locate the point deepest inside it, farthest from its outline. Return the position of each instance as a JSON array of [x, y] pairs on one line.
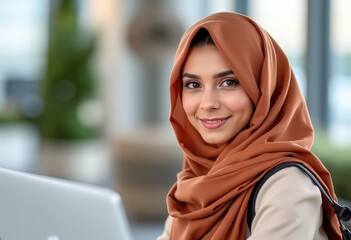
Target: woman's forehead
[[204, 58]]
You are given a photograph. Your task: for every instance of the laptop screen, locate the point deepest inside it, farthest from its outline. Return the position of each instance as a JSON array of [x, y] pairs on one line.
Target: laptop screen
[[34, 207]]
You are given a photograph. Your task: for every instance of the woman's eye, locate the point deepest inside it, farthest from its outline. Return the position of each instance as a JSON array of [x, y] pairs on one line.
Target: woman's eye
[[230, 83], [192, 85]]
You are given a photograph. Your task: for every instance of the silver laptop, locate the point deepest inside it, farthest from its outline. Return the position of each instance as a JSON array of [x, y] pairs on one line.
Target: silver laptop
[[34, 207]]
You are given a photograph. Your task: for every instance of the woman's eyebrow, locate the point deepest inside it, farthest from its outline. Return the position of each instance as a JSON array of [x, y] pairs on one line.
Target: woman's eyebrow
[[217, 75], [223, 74], [189, 75]]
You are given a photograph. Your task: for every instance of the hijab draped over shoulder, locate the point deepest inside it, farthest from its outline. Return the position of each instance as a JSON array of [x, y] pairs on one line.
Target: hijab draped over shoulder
[[210, 198]]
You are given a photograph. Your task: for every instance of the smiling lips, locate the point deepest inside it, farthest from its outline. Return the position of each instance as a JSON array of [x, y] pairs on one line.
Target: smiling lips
[[213, 123]]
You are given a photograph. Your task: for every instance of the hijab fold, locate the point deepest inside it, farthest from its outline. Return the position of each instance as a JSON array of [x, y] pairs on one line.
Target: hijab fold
[[210, 198]]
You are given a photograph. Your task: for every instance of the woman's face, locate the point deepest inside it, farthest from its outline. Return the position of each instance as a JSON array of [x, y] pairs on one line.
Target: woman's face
[[213, 100]]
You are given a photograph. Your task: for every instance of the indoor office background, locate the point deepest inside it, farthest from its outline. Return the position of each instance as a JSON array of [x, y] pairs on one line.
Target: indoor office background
[[84, 88]]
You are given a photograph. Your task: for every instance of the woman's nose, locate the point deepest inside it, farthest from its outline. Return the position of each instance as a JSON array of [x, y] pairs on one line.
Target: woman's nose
[[210, 101]]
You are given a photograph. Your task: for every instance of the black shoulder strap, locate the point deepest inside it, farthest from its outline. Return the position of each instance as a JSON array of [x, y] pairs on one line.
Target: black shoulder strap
[[343, 212]]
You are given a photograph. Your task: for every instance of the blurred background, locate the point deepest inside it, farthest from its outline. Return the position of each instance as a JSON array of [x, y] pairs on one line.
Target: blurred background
[[84, 89]]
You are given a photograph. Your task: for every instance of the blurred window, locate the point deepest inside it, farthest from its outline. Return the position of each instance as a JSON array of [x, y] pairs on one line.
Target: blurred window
[[290, 32], [23, 31], [220, 6], [340, 81]]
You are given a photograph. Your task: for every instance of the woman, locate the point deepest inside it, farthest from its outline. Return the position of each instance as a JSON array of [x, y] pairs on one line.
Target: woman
[[237, 112]]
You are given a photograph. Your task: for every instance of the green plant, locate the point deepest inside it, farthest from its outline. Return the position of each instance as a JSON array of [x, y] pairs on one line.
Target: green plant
[[68, 81], [337, 160]]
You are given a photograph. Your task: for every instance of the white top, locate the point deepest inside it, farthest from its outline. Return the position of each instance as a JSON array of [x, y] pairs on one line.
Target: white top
[[288, 206]]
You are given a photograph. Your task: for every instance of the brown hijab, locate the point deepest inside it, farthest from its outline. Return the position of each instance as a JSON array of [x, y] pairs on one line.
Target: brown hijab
[[209, 199]]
